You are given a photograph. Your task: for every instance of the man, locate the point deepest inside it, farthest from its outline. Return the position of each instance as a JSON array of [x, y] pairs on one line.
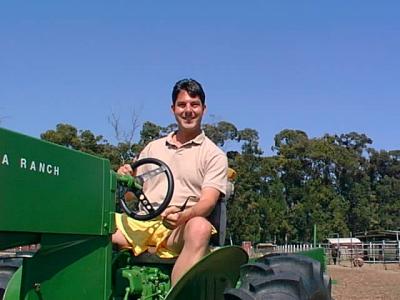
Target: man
[[199, 168]]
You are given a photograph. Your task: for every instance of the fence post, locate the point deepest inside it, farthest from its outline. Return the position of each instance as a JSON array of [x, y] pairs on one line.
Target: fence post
[[372, 250], [383, 251], [351, 250], [398, 247]]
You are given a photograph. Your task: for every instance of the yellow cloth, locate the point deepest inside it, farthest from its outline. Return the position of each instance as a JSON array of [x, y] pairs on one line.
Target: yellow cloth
[[231, 173], [144, 234]]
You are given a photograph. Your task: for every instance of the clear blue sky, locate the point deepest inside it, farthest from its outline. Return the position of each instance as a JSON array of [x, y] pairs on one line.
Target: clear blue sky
[[318, 66]]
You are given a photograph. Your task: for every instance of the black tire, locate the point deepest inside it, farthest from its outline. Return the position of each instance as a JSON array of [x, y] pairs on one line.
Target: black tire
[[6, 272], [282, 276]]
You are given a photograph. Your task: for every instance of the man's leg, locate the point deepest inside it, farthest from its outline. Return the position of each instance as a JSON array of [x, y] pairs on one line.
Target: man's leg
[[191, 240], [119, 239]]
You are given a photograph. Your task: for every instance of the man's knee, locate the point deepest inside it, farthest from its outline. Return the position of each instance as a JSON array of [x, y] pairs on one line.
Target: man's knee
[[198, 229]]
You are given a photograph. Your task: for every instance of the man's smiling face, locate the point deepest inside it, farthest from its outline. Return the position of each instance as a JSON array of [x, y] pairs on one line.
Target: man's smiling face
[[188, 111]]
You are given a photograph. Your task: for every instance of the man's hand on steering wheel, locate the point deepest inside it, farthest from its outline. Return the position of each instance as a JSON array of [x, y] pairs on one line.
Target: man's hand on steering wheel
[[125, 170], [132, 187]]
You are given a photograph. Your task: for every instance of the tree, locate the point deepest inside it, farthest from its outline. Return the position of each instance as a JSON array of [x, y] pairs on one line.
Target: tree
[[83, 140], [384, 173], [149, 132], [250, 141], [337, 182], [274, 221], [243, 209], [126, 149], [65, 135], [221, 132]]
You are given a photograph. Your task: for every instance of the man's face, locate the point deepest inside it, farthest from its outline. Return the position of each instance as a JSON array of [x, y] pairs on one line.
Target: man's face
[[188, 111]]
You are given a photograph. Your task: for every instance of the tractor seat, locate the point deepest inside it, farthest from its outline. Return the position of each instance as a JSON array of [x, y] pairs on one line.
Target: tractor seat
[[151, 258]]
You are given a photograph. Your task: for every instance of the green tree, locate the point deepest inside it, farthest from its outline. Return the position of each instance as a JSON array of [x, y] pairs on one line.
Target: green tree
[[273, 209], [384, 173], [353, 183], [83, 140], [243, 209], [149, 132], [221, 132], [337, 182], [65, 135]]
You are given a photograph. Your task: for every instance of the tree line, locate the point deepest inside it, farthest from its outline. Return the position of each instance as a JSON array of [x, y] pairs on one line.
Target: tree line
[[337, 182]]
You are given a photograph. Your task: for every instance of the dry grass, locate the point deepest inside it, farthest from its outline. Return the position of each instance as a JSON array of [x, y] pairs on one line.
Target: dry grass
[[368, 282]]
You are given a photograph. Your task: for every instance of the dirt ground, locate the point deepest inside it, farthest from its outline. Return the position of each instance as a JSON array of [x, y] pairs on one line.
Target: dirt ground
[[371, 281]]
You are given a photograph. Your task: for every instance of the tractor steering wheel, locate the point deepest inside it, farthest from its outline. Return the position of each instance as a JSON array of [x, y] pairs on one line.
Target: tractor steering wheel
[[143, 209]]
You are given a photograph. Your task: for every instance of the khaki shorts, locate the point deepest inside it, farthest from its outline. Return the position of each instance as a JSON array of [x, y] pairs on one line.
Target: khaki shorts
[[144, 234]]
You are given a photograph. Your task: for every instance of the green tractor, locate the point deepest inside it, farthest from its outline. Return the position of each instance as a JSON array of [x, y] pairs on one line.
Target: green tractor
[[65, 200]]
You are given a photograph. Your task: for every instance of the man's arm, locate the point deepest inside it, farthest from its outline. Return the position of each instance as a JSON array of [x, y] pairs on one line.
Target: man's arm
[[208, 199], [213, 185], [174, 217]]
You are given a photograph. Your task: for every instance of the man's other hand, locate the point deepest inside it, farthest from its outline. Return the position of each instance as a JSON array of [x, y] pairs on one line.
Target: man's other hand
[[173, 217], [125, 170]]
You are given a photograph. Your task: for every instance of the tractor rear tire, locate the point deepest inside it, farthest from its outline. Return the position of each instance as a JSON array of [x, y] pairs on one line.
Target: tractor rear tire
[[282, 276]]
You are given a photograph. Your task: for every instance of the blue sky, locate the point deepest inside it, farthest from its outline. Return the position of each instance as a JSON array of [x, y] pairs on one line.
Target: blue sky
[[318, 66]]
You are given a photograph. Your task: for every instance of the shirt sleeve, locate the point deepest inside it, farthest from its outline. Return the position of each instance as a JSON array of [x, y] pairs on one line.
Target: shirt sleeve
[[216, 173], [145, 152]]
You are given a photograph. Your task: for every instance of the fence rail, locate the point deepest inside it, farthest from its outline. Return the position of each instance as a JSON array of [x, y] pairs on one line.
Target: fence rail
[[372, 252]]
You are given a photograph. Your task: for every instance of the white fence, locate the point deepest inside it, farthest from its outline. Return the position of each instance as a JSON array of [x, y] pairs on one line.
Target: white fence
[[373, 252], [293, 248], [382, 252]]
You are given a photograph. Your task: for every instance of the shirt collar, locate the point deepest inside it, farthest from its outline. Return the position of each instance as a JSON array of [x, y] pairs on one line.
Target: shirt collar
[[197, 140]]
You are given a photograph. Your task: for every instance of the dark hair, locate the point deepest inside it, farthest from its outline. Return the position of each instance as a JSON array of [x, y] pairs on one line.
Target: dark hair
[[191, 86]]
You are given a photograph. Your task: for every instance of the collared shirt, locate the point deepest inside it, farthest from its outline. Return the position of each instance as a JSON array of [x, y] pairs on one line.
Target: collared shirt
[[197, 164]]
